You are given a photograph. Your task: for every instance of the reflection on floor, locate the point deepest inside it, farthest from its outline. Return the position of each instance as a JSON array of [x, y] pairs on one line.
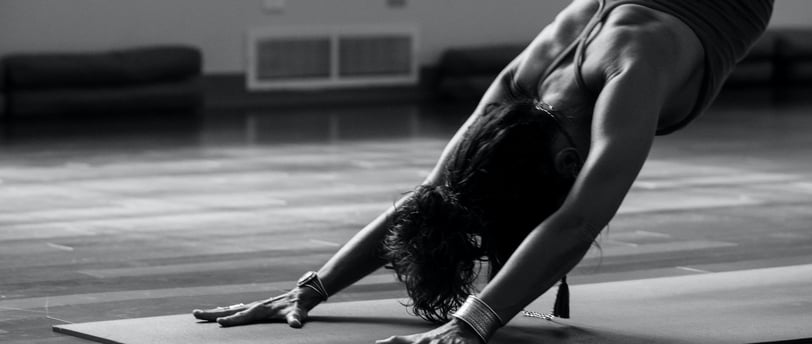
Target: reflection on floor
[[105, 219]]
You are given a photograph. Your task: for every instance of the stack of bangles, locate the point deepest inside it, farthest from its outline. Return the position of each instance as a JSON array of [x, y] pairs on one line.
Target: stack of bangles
[[480, 317]]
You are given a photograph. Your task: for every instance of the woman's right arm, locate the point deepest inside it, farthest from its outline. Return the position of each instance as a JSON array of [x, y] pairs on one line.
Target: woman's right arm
[[502, 87], [359, 257]]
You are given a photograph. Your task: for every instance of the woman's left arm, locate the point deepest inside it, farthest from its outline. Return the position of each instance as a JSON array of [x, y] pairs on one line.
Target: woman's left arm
[[623, 129]]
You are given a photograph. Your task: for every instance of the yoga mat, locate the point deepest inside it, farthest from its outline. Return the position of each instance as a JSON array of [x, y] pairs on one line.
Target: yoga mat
[[750, 306]]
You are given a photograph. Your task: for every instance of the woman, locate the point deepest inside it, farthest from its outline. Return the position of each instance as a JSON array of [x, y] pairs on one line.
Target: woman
[[542, 165]]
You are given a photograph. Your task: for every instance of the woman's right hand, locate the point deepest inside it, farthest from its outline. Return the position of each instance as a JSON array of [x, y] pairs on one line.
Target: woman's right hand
[[291, 307]]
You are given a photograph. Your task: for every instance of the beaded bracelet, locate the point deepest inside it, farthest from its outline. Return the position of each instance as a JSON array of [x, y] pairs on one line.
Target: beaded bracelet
[[480, 317]]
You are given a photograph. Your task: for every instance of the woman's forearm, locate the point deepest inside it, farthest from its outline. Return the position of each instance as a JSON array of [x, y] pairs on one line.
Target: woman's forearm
[[359, 257], [547, 254]]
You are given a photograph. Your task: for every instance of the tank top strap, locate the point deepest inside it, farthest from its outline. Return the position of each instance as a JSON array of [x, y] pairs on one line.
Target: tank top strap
[[583, 40], [577, 45], [558, 60], [578, 59]]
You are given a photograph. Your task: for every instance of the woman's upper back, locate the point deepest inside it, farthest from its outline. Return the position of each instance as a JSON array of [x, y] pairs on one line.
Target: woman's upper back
[[568, 62]]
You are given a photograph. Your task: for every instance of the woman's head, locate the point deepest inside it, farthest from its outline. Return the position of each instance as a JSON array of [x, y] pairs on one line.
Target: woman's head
[[432, 248], [511, 170]]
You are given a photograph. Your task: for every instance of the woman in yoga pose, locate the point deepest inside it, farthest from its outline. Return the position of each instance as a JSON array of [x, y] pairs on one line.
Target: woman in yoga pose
[[540, 168]]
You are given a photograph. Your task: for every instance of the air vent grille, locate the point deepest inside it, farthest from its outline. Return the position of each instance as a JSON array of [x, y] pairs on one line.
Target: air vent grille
[[383, 55], [308, 57], [286, 58]]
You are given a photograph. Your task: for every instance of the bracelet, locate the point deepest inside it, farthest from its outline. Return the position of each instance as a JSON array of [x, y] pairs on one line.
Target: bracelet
[[322, 294], [311, 280], [480, 317]]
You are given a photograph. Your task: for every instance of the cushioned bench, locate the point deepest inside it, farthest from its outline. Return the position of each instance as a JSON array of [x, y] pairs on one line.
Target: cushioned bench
[[467, 72], [794, 62], [780, 62], [162, 78]]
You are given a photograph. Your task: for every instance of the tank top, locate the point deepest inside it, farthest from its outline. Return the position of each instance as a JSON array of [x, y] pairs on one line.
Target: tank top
[[727, 29]]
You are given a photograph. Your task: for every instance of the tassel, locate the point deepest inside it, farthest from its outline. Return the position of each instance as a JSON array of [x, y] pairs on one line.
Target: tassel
[[561, 309]]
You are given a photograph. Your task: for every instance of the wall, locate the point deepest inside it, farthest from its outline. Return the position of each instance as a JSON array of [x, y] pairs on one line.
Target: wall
[[792, 13], [217, 26]]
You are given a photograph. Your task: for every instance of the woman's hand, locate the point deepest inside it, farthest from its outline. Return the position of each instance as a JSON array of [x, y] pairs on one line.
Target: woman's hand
[[291, 307], [453, 332]]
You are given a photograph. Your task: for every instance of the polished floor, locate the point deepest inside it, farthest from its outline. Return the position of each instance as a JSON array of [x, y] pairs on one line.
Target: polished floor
[[116, 218]]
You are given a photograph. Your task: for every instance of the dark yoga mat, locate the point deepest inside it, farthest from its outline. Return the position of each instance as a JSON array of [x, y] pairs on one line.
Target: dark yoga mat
[[751, 306]]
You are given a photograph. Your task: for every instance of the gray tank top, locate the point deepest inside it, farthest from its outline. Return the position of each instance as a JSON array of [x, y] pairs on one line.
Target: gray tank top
[[727, 30]]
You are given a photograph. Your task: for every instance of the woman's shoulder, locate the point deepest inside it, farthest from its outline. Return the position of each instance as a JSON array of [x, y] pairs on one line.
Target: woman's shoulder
[[637, 38], [635, 32]]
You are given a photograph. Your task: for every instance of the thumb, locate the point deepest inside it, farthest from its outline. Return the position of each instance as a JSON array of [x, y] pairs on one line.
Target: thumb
[[296, 317]]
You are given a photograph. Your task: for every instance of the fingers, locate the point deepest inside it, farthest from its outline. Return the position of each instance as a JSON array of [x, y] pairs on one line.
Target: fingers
[[240, 318], [296, 318], [214, 313], [262, 311]]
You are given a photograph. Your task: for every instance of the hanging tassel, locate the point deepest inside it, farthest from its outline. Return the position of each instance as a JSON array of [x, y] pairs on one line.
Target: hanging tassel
[[561, 309]]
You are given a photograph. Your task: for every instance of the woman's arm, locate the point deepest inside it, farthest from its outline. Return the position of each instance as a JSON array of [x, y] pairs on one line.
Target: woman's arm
[[623, 129], [359, 257], [624, 125], [500, 89]]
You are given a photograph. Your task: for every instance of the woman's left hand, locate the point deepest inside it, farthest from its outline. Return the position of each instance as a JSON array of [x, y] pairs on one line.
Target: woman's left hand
[[453, 332]]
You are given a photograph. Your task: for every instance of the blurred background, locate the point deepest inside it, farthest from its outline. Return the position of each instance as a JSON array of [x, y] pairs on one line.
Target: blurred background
[[158, 156]]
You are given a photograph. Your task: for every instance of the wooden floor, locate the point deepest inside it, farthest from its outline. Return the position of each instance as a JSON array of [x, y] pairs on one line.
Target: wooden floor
[[115, 219]]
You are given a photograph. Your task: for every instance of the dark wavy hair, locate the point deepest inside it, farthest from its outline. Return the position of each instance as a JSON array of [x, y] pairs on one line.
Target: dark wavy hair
[[498, 184]]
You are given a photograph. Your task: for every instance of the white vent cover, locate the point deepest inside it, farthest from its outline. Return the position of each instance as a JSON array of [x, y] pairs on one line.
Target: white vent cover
[[308, 57]]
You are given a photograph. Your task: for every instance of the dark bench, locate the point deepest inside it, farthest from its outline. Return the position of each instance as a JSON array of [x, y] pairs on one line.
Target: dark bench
[[781, 62], [149, 79]]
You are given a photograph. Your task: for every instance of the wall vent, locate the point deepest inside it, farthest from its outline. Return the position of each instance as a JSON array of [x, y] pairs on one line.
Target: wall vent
[[281, 58]]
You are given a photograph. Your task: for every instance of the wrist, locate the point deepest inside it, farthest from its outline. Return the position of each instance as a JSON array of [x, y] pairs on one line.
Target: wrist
[[307, 298], [312, 281], [479, 317], [464, 330]]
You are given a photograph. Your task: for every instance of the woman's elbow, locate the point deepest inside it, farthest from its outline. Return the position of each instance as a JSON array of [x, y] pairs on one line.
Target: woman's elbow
[[582, 229]]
